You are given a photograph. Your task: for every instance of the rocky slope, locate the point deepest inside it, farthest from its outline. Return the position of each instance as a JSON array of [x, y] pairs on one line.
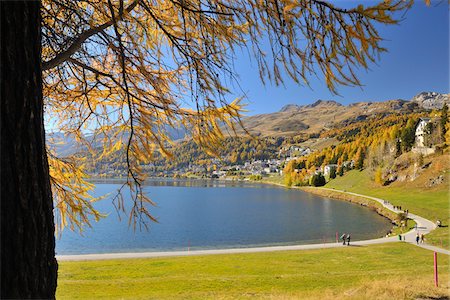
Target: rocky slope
[[431, 100]]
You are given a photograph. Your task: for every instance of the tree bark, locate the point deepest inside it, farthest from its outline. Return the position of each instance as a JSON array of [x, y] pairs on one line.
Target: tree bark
[[28, 264]]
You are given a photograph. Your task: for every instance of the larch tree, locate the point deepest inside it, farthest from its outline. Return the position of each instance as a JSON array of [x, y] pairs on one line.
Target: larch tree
[[118, 73], [28, 264]]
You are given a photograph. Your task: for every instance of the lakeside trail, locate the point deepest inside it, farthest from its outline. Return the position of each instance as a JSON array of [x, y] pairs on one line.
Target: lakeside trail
[[424, 226]]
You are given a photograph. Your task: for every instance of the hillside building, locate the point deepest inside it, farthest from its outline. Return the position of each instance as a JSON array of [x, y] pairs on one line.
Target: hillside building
[[328, 168], [421, 132], [427, 136]]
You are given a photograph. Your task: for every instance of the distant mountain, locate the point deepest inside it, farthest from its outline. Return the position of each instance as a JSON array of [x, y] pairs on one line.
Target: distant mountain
[[176, 133], [324, 103], [289, 107], [65, 145], [431, 100], [310, 119]]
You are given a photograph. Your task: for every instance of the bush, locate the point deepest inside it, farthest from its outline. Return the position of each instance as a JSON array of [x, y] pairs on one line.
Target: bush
[[255, 177], [379, 176], [341, 171], [287, 179], [407, 136], [317, 180], [333, 173]]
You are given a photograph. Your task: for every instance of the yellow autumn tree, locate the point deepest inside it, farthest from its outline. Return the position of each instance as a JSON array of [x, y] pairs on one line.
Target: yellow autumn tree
[[119, 73]]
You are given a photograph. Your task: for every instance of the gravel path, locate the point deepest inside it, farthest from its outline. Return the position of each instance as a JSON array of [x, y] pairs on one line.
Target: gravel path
[[424, 226]]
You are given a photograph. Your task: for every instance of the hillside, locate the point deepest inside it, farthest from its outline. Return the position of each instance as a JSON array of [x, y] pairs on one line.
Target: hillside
[[311, 119]]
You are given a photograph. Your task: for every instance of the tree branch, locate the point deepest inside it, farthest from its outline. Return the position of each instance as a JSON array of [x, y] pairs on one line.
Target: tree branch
[[214, 12], [79, 40]]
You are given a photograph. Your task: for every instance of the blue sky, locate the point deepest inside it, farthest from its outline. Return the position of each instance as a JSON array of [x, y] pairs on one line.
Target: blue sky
[[418, 60]]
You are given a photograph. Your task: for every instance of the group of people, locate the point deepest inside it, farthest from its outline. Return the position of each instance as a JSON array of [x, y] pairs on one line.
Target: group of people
[[420, 238], [396, 207], [344, 238]]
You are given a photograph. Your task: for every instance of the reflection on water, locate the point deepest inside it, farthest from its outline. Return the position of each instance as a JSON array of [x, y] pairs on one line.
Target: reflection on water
[[205, 214], [186, 182]]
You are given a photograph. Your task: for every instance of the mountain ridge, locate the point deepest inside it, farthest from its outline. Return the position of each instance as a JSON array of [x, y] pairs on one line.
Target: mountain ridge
[[310, 119]]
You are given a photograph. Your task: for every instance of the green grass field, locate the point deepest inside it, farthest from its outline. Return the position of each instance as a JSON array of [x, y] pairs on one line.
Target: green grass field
[[273, 179], [432, 204], [389, 271]]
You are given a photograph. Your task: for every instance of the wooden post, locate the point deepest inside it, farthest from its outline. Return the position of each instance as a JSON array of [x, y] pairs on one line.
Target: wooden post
[[337, 238], [436, 283]]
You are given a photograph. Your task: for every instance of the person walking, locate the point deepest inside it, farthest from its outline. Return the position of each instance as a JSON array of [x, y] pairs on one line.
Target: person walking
[[422, 238], [343, 238], [348, 239], [417, 239]]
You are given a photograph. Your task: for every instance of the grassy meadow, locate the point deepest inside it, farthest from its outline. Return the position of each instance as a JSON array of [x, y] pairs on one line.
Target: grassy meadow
[[387, 271]]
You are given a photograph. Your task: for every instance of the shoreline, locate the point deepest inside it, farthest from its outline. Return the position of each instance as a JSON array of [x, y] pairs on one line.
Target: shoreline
[[424, 226], [334, 194]]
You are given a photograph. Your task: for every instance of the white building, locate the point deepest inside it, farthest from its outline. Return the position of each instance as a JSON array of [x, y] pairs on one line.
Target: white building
[[420, 132], [327, 169], [349, 164]]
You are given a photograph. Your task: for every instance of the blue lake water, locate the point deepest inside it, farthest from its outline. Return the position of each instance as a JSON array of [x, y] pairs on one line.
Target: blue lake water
[[214, 214]]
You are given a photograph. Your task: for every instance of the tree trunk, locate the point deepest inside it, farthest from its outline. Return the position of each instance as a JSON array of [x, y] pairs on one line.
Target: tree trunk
[[28, 264]]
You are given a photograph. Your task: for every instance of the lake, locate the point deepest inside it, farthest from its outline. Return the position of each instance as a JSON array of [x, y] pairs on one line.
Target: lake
[[209, 214]]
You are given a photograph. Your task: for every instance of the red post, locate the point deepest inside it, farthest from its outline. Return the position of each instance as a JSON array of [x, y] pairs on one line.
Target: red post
[[435, 270]]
